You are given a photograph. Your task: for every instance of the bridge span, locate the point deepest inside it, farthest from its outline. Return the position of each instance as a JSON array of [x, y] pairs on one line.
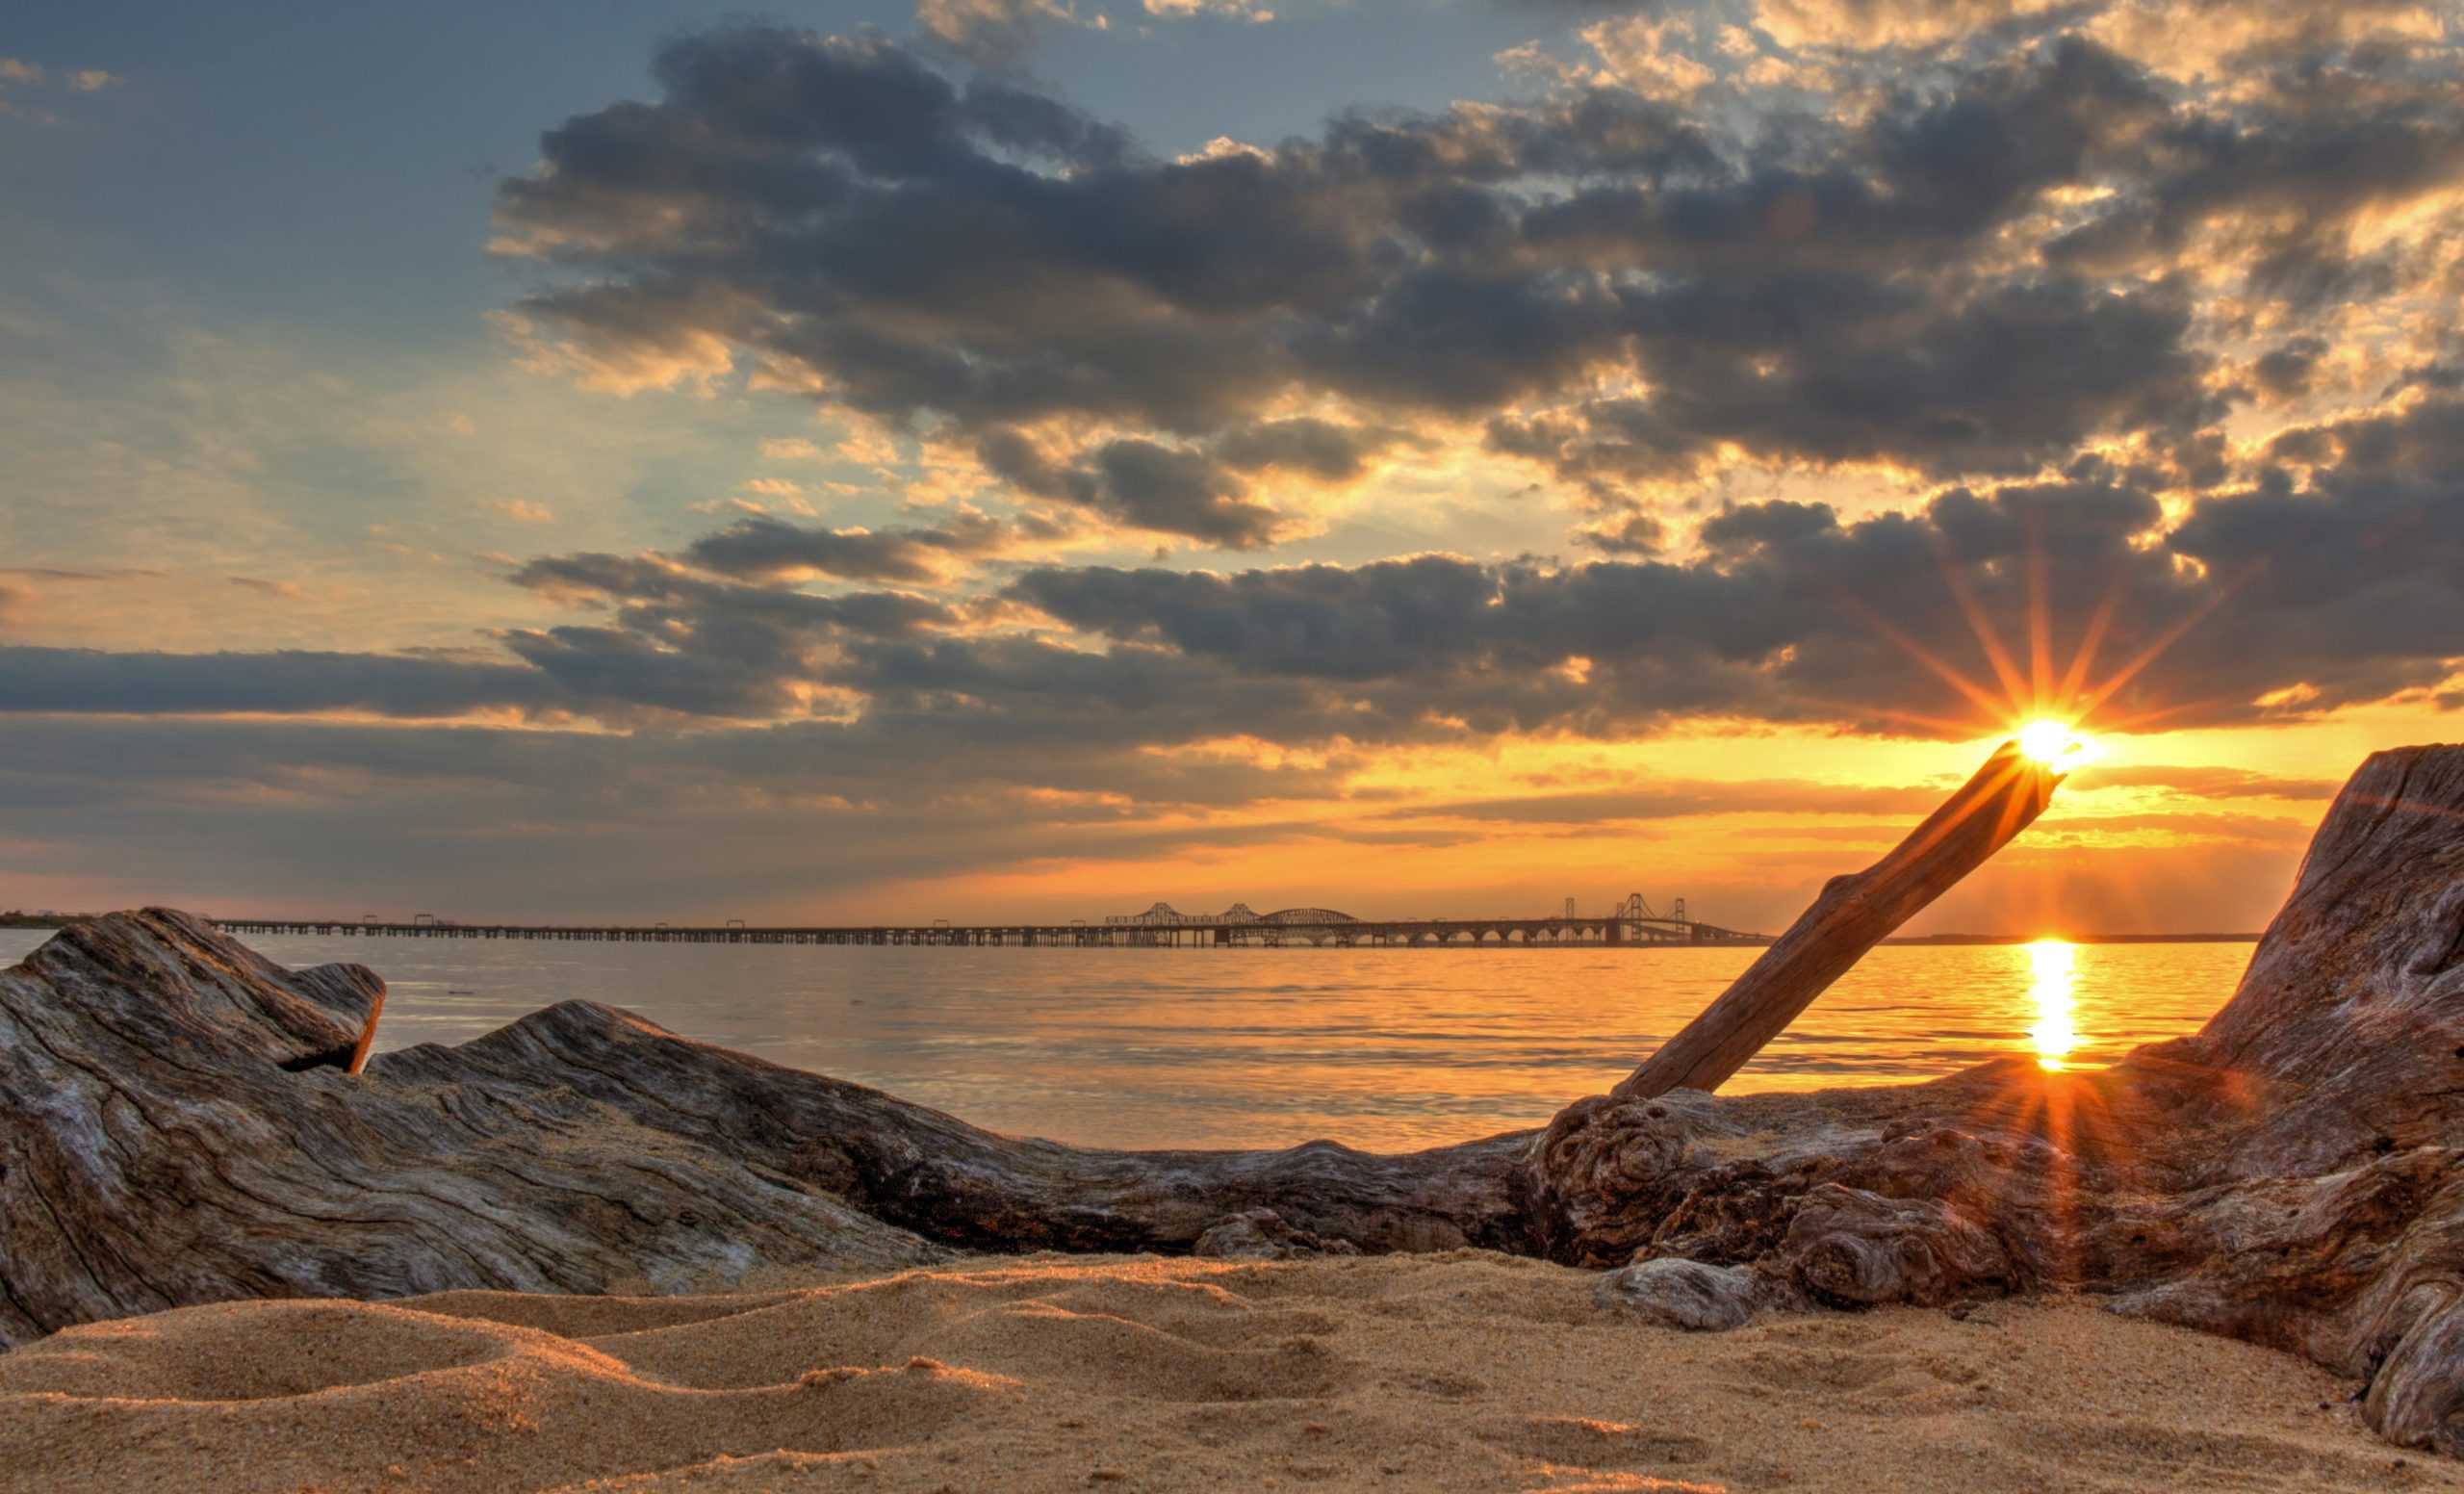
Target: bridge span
[[1633, 923]]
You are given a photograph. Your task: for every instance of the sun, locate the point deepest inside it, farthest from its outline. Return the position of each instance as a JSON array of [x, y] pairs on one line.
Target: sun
[[2036, 687], [2055, 744]]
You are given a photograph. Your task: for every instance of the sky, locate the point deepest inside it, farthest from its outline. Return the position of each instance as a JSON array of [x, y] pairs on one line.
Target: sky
[[1031, 458]]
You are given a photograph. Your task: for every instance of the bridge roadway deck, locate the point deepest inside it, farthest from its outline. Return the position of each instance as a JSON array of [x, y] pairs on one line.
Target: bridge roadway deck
[[1532, 933]]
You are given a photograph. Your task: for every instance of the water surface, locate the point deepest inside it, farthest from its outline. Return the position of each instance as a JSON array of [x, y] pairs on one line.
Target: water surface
[[1380, 1049]]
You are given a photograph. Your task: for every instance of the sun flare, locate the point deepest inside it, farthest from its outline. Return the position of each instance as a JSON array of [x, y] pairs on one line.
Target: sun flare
[[2053, 963], [2055, 744]]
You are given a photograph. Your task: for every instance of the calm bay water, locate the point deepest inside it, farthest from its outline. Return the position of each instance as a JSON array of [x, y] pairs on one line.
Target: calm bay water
[[1385, 1049]]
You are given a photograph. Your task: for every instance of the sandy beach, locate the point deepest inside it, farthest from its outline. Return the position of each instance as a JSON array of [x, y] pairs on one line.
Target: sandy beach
[[1457, 1371]]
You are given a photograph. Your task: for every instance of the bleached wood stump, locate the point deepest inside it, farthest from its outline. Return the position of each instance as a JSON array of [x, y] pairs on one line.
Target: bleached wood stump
[[2290, 1175]]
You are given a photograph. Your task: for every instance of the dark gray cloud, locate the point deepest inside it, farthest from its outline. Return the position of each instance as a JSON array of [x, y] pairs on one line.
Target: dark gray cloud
[[53, 573], [1827, 292], [2003, 381], [2338, 591], [91, 681], [1627, 534], [1368, 622], [762, 548], [1935, 165], [1143, 484], [657, 598], [2284, 371], [685, 644], [2353, 573], [2321, 137], [678, 643], [1158, 487], [1321, 449]]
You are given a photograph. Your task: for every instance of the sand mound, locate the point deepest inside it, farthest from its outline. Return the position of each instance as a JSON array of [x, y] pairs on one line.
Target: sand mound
[[1463, 1371]]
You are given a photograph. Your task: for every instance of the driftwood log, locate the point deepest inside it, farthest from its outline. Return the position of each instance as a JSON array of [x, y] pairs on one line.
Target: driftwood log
[[1851, 916], [2289, 1174]]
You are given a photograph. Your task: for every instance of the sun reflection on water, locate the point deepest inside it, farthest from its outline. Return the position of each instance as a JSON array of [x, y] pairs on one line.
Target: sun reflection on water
[[2054, 963]]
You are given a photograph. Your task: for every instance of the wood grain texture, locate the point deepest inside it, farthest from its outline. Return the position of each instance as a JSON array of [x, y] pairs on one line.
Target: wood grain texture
[[159, 1144]]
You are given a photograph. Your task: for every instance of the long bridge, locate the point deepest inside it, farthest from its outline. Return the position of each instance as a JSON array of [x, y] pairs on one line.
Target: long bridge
[[1632, 923]]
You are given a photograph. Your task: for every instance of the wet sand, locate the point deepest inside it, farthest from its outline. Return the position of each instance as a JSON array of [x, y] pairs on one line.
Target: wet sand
[[1461, 1371]]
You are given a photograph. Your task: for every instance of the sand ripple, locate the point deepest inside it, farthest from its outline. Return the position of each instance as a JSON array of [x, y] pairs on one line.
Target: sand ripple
[[1450, 1371]]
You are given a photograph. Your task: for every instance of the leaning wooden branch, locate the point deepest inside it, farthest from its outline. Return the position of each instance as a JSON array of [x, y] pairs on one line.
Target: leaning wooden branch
[[1854, 914]]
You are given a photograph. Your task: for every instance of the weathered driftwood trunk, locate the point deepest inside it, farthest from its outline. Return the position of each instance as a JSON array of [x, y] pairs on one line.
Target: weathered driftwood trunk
[[1853, 915], [2290, 1175], [159, 1146]]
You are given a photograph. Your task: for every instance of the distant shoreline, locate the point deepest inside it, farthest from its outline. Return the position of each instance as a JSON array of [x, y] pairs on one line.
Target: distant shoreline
[[28, 920]]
